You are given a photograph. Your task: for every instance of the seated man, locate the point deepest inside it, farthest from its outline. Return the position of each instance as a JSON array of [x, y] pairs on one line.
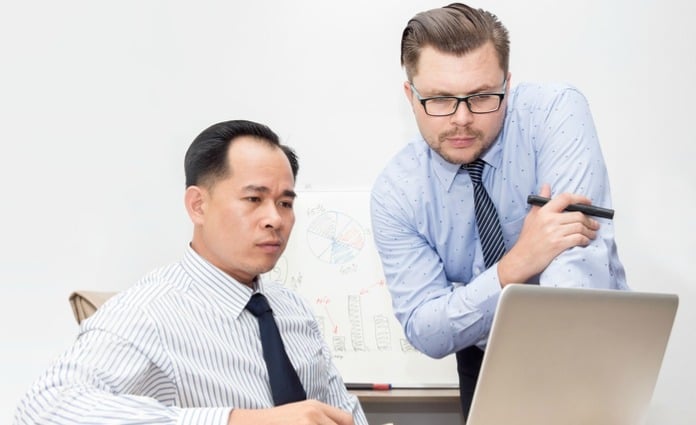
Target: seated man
[[182, 345]]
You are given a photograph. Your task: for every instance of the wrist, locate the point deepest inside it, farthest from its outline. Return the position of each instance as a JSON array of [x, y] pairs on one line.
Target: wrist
[[511, 269]]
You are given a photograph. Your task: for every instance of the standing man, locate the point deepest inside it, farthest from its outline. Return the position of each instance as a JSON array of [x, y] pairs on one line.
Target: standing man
[[449, 211], [190, 343]]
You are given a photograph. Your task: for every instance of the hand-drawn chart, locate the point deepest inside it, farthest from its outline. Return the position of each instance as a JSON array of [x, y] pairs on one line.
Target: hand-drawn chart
[[335, 237], [332, 262]]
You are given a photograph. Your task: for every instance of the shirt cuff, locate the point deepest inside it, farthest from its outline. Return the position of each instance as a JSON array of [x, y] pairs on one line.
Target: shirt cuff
[[204, 415]]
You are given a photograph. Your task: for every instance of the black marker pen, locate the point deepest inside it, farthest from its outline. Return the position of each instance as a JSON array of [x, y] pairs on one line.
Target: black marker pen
[[585, 209]]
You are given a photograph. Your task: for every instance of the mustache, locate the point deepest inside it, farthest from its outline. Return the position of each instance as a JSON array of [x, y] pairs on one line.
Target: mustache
[[459, 133]]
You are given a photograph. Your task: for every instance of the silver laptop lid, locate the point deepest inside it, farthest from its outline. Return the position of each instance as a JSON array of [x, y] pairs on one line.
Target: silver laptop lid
[[561, 356]]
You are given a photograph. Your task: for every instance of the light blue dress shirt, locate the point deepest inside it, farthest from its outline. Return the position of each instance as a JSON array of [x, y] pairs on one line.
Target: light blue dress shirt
[[424, 223], [180, 348]]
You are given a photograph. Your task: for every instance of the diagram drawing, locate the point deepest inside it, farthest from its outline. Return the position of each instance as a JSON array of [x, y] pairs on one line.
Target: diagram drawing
[[332, 262], [335, 237]]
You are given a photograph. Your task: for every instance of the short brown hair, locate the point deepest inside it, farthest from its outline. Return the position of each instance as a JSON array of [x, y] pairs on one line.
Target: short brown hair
[[457, 29]]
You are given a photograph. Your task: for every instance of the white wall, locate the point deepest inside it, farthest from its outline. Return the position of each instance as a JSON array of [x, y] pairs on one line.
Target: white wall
[[99, 100]]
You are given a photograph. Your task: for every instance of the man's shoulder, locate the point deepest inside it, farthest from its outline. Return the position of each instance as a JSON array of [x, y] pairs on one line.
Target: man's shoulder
[[156, 284], [528, 95], [151, 288], [406, 162]]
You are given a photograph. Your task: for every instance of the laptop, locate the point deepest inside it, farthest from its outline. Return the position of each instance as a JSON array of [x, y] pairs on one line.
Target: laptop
[[562, 356]]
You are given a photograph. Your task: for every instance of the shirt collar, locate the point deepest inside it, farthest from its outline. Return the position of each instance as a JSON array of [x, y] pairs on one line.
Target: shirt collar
[[446, 171], [231, 295]]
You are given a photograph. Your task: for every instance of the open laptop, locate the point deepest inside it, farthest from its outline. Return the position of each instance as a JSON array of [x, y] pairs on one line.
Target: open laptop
[[559, 356]]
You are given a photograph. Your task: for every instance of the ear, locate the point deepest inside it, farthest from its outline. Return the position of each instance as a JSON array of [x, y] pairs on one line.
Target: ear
[[194, 200], [409, 95], [407, 91]]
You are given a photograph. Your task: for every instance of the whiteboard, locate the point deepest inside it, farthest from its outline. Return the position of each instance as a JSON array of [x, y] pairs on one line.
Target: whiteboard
[[332, 261]]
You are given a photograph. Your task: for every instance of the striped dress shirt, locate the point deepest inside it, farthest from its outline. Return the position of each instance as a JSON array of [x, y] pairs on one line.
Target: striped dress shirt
[[180, 348]]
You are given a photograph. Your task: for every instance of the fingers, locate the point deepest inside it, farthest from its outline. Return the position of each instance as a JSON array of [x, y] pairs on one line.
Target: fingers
[[564, 228], [574, 233], [337, 415], [319, 413], [561, 201], [301, 413], [577, 218], [547, 232]]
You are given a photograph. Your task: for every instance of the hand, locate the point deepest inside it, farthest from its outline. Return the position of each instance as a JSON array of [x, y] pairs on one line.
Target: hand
[[547, 231], [308, 412]]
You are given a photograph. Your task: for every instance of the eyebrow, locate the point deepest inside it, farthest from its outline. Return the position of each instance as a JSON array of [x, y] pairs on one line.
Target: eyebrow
[[263, 189], [484, 88]]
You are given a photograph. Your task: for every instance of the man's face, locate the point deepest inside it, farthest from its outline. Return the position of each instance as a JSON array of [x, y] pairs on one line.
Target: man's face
[[462, 137], [242, 223]]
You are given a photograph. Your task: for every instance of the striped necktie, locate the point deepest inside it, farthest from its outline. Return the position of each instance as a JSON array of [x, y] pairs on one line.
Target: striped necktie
[[285, 384], [486, 216], [469, 359]]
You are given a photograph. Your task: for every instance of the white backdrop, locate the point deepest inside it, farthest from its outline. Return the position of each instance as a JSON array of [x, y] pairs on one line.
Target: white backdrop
[[99, 100]]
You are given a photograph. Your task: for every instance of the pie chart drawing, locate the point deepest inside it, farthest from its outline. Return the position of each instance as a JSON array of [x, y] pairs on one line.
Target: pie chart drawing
[[335, 238]]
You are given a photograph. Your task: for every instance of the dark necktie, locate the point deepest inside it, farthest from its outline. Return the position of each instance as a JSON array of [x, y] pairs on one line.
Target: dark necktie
[[486, 216], [285, 384], [469, 359]]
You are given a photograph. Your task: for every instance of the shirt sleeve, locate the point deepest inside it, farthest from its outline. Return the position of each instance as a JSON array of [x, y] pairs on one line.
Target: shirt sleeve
[[333, 389], [571, 160], [91, 382], [439, 317], [338, 395]]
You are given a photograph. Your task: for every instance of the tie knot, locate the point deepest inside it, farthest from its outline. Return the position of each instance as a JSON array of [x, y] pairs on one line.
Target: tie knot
[[258, 305], [475, 170]]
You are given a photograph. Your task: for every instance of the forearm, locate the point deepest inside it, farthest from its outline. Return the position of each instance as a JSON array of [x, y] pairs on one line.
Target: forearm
[[440, 311], [103, 377], [460, 318], [60, 398]]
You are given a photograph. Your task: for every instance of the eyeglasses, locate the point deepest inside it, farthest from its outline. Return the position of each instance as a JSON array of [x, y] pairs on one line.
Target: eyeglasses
[[442, 106]]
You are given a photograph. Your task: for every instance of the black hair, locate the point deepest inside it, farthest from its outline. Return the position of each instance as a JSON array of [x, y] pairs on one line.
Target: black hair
[[206, 158]]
